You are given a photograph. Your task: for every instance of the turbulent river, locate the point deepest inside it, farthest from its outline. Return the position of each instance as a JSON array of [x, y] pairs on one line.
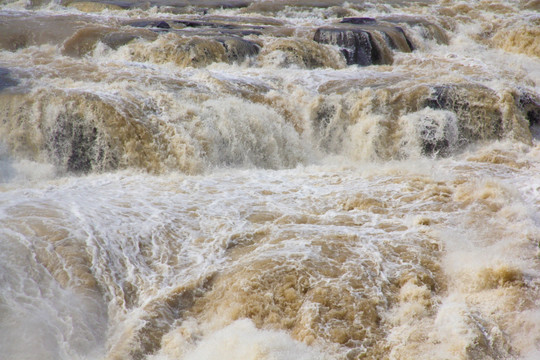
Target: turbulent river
[[269, 180]]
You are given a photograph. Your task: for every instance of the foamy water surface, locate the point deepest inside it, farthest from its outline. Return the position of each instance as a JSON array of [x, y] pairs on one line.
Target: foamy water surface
[[237, 180]]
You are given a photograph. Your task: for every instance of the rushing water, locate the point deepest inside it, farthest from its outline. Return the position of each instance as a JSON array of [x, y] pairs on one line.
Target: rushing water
[[269, 179]]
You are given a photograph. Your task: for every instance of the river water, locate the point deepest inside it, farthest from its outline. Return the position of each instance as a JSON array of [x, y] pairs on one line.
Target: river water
[[269, 179]]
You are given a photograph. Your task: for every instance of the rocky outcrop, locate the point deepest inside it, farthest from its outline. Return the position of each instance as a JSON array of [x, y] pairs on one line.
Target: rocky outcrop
[[365, 41], [529, 104], [361, 40], [476, 107], [233, 47]]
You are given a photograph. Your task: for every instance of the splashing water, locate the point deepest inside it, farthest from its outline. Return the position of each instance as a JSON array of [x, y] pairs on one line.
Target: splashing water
[[269, 180]]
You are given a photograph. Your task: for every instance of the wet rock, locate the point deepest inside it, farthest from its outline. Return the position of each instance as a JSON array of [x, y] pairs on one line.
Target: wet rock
[[208, 25], [116, 39], [529, 104], [205, 26], [365, 41], [206, 50], [241, 32], [437, 138], [84, 40], [476, 107], [224, 25], [394, 36], [194, 23], [237, 49], [6, 80], [194, 49], [430, 30], [73, 145], [160, 24], [303, 53], [359, 21], [357, 45]]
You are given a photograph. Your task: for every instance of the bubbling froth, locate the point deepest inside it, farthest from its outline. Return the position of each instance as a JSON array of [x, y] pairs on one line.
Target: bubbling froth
[[269, 180]]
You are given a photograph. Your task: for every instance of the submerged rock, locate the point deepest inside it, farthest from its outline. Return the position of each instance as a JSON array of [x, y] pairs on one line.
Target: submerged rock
[[529, 104], [5, 79], [116, 39], [303, 53], [365, 41], [356, 45], [202, 26], [440, 117], [84, 40], [160, 24], [476, 106], [73, 145], [436, 131], [359, 21], [194, 51], [429, 30], [237, 49]]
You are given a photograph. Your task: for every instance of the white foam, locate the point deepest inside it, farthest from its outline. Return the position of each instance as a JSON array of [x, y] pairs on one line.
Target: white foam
[[455, 239], [242, 340]]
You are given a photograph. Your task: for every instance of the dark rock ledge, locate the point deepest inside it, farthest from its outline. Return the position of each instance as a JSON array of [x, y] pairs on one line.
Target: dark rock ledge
[[368, 41], [365, 41]]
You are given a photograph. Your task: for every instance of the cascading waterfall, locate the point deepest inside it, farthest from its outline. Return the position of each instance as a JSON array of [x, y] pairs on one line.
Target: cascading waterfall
[[229, 179]]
